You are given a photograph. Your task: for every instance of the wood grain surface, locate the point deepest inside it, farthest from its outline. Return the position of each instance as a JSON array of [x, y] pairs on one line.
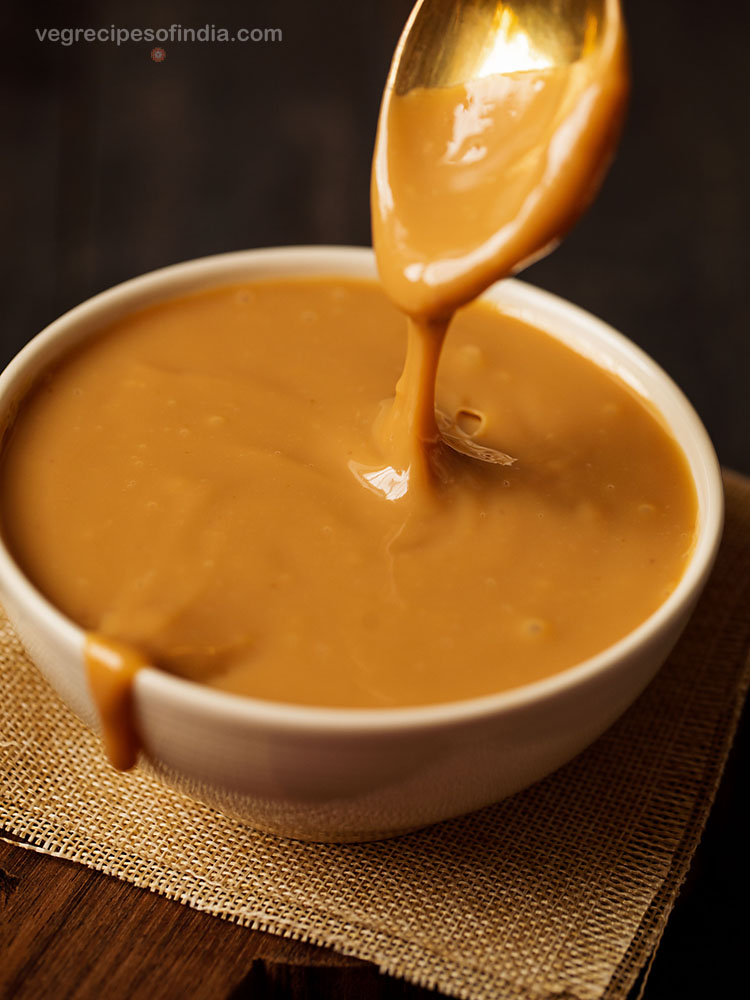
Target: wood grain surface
[[67, 931], [111, 165]]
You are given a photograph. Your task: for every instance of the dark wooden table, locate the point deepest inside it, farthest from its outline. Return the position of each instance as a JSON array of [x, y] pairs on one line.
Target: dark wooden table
[[113, 164]]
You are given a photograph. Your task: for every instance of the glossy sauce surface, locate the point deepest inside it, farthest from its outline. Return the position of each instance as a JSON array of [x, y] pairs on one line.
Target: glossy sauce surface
[[193, 483], [471, 182]]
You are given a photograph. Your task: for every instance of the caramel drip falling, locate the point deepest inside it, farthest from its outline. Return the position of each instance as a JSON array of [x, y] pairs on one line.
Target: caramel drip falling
[[407, 430]]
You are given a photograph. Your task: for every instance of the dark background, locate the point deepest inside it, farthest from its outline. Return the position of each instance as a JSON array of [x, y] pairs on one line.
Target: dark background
[[113, 164]]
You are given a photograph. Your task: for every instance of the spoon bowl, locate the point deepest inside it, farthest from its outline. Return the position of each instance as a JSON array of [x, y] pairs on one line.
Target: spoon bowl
[[498, 122]]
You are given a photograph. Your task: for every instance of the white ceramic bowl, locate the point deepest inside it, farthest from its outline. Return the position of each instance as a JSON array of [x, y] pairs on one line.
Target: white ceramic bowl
[[346, 774]]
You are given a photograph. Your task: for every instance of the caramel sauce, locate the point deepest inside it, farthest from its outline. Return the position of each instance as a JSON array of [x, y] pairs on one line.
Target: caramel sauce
[[111, 667], [190, 483], [225, 483]]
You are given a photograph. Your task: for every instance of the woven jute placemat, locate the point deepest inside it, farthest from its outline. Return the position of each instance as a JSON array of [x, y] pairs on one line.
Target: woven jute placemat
[[561, 891]]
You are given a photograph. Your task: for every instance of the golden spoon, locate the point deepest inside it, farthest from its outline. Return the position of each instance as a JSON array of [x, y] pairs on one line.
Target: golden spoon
[[446, 42], [474, 175]]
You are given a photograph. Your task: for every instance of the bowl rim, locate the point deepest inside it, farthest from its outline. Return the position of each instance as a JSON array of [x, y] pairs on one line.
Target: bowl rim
[[518, 298]]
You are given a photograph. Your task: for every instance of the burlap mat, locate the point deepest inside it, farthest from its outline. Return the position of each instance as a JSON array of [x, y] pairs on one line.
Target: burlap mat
[[561, 891]]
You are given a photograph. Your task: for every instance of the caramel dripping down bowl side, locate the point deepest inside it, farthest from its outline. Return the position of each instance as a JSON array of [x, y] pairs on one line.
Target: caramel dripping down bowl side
[[348, 774]]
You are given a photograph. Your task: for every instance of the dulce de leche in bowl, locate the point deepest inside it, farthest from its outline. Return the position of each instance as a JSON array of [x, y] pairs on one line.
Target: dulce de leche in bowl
[[209, 553], [337, 593]]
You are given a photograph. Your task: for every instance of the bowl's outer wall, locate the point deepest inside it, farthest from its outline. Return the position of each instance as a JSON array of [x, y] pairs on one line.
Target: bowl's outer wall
[[352, 785], [357, 781]]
